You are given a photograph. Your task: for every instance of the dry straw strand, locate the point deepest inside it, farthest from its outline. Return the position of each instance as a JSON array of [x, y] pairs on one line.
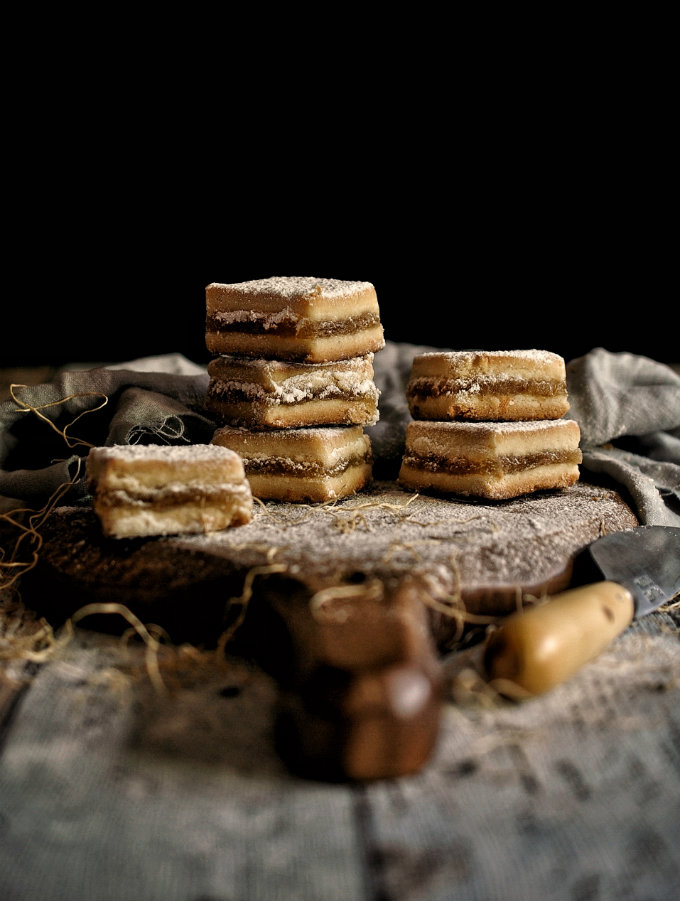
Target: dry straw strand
[[11, 569], [146, 633], [30, 408], [244, 599], [373, 590]]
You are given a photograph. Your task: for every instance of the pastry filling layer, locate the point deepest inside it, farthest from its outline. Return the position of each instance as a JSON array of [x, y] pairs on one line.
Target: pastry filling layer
[[308, 469], [228, 393], [499, 465], [285, 325], [424, 387], [171, 497]]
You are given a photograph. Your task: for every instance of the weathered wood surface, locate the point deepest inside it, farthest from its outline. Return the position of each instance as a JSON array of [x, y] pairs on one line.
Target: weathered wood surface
[[117, 787], [479, 557]]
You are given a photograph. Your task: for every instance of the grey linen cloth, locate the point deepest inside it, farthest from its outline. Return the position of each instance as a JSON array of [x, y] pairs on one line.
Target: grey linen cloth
[[157, 400], [628, 410], [627, 406]]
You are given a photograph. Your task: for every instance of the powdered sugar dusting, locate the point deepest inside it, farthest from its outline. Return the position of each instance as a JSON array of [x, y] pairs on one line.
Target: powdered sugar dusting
[[531, 354], [480, 557], [481, 552], [298, 286], [496, 427], [181, 453]]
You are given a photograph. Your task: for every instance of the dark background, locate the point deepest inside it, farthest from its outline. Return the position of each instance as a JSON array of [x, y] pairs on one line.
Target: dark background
[[564, 269], [528, 202], [491, 285]]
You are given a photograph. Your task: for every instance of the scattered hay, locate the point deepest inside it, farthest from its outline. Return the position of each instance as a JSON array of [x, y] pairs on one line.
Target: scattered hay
[[370, 591], [70, 442], [28, 542], [243, 600]]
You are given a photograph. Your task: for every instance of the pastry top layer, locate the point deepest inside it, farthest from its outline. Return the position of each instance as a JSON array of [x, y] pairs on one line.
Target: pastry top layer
[[324, 444], [477, 364], [163, 463], [293, 297], [484, 438], [176, 453]]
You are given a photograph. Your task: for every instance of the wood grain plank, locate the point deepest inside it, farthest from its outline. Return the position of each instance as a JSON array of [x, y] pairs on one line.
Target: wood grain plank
[[572, 795], [112, 792]]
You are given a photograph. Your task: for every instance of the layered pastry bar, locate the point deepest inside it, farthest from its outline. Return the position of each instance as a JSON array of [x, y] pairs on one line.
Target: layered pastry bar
[[487, 385], [310, 320], [311, 464], [494, 460], [144, 490], [264, 394]]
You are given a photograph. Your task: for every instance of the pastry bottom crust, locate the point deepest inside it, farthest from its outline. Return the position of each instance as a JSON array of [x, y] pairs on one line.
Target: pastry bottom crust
[[134, 519], [493, 486]]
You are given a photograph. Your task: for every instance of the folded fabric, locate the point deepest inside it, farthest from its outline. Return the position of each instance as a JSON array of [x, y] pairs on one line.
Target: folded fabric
[[46, 429], [628, 410], [627, 406]]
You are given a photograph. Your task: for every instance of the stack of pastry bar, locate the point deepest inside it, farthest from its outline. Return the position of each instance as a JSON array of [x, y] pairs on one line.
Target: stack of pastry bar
[[292, 382], [489, 424]]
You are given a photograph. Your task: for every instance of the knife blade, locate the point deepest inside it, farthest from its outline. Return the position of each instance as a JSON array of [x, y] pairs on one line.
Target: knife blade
[[619, 577]]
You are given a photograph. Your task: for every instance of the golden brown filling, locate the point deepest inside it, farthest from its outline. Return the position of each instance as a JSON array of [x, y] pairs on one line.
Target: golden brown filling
[[293, 328], [498, 466], [288, 467], [439, 387], [164, 498]]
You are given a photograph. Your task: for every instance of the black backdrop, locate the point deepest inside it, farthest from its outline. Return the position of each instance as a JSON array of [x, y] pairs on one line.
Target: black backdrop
[[519, 196], [556, 256], [110, 293]]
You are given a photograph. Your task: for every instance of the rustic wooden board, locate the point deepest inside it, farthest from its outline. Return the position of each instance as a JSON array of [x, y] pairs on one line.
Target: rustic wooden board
[[477, 557]]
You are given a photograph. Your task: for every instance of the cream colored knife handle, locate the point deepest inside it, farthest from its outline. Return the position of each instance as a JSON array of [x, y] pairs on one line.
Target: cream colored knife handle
[[534, 650]]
